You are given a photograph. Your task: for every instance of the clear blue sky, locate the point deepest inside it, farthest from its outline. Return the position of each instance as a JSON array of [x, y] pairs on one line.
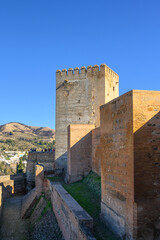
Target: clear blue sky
[[37, 37]]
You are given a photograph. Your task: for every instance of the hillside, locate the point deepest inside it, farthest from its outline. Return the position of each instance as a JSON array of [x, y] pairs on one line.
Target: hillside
[[17, 136]]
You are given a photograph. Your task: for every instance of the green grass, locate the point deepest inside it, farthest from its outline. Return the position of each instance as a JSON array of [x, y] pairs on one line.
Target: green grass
[[36, 203], [48, 206], [87, 193], [56, 179]]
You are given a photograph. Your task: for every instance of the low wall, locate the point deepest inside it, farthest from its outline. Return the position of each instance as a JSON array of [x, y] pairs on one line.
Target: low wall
[[79, 151], [96, 151], [74, 221], [28, 202], [47, 159], [31, 197]]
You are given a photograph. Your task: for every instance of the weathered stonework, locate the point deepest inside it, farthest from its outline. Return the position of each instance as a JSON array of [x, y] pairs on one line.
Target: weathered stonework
[[71, 217], [47, 159], [19, 183], [78, 98], [129, 162], [79, 151], [7, 186], [96, 151], [32, 196]]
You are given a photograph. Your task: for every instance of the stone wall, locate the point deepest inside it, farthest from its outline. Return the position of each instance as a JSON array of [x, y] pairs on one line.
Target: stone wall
[[146, 127], [79, 151], [19, 183], [0, 200], [73, 220], [31, 197], [129, 162], [117, 163], [28, 203], [96, 151], [47, 159], [78, 98], [7, 186]]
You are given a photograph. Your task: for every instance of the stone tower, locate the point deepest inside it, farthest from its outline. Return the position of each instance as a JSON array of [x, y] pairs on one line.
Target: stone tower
[[79, 95]]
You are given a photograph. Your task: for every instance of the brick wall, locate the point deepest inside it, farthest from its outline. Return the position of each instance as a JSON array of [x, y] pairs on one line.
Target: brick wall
[[117, 163], [71, 217], [19, 183], [146, 124], [96, 151], [130, 162], [47, 159], [31, 197], [79, 151], [7, 186]]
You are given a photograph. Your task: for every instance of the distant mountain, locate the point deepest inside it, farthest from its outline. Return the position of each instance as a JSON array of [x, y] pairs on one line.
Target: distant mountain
[[17, 136]]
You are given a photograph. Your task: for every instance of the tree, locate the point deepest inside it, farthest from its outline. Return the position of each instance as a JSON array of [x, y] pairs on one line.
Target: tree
[[20, 166]]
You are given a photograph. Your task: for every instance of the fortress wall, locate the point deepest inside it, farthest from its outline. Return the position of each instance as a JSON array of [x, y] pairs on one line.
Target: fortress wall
[[130, 163], [7, 186], [39, 178], [96, 151], [79, 95], [117, 165], [31, 197], [47, 159], [79, 151], [19, 183], [146, 127], [73, 220]]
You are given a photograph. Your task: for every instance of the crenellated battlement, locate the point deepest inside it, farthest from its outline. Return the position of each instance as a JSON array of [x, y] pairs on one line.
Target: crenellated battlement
[[95, 70]]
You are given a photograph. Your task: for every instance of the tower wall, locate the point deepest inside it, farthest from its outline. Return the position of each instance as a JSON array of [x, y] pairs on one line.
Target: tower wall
[[130, 162], [79, 95]]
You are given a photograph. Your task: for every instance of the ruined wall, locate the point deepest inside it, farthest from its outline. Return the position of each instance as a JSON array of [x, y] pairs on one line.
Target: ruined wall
[[146, 127], [96, 151], [117, 161], [7, 186], [78, 97], [47, 159], [19, 183], [79, 151]]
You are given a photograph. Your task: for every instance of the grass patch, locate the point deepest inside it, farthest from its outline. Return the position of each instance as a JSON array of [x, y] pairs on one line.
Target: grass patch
[[87, 193], [36, 203], [56, 179], [48, 206]]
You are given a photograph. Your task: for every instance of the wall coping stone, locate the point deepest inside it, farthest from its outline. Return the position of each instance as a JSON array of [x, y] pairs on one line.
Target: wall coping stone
[[77, 210]]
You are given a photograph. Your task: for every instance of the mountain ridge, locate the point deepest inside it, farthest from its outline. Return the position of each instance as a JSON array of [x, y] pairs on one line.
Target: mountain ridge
[[15, 135]]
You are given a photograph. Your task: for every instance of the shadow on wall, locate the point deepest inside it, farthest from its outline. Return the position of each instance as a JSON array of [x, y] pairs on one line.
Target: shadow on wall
[[80, 158], [147, 172], [61, 163], [7, 191], [19, 183]]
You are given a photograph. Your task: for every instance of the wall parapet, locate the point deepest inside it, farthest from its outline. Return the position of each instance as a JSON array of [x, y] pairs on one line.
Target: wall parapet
[[70, 215], [83, 70]]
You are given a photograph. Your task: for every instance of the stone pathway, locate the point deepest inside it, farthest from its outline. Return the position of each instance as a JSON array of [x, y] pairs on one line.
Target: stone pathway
[[12, 226]]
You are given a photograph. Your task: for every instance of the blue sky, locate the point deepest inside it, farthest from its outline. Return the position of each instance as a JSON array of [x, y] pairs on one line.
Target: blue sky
[[37, 37]]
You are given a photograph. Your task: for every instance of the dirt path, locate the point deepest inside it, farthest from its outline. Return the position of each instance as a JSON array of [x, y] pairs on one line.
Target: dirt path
[[12, 226]]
